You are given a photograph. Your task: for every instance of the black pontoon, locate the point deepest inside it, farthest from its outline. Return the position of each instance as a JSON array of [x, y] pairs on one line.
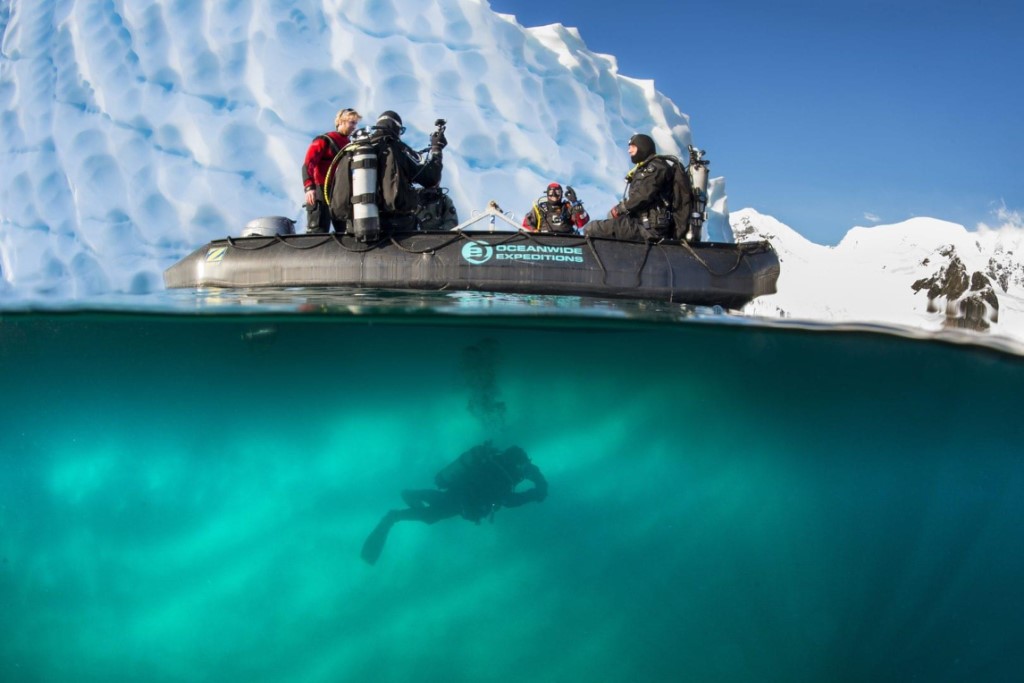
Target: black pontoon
[[707, 274]]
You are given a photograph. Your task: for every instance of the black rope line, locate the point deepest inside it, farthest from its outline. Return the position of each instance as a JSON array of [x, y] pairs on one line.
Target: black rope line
[[512, 237], [276, 239], [428, 250], [232, 242], [370, 246], [301, 248], [597, 257], [532, 237], [640, 270], [739, 259], [671, 275]]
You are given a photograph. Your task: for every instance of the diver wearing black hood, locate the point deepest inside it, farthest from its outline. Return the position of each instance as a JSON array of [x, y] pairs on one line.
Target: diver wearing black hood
[[644, 212]]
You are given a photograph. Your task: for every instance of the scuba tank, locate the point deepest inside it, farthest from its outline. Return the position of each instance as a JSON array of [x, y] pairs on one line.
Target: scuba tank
[[365, 216], [698, 171], [456, 473]]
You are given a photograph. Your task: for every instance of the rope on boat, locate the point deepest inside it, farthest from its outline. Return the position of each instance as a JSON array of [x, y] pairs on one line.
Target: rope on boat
[[739, 259], [532, 236], [597, 257], [671, 275], [429, 250], [337, 237], [640, 270], [273, 240]]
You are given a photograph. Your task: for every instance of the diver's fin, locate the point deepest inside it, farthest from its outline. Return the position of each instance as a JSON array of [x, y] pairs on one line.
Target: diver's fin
[[374, 543]]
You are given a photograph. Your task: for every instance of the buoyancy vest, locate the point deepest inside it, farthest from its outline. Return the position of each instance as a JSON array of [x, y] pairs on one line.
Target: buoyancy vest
[[678, 200], [552, 218]]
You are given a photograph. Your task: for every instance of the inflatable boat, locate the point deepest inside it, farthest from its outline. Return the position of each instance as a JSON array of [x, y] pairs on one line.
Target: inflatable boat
[[519, 262]]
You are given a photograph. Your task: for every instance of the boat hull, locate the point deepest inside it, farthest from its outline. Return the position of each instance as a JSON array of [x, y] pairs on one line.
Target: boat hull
[[727, 275]]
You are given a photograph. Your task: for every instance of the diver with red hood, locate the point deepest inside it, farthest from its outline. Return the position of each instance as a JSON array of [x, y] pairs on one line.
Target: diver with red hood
[[554, 214]]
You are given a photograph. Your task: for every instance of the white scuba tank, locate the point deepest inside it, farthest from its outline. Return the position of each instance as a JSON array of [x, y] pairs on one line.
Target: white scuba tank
[[699, 177], [698, 170], [365, 217]]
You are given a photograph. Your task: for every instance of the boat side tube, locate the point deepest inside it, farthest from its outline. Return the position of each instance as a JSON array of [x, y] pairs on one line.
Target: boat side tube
[[727, 275]]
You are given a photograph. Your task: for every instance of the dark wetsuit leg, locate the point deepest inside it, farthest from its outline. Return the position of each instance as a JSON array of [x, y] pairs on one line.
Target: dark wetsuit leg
[[425, 505], [621, 228], [428, 505]]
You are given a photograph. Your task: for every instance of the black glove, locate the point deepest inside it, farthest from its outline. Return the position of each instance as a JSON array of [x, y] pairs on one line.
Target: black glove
[[570, 194], [438, 141]]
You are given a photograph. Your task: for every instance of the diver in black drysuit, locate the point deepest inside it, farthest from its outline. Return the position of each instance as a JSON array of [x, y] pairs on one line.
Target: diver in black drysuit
[[475, 485]]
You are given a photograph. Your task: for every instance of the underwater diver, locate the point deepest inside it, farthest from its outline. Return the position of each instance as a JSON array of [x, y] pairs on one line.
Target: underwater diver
[[474, 485]]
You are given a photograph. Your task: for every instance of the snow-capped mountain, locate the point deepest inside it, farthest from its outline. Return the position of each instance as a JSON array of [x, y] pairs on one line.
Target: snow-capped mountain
[[922, 272]]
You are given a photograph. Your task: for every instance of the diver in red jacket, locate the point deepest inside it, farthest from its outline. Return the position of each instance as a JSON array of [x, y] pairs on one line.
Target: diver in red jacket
[[314, 169]]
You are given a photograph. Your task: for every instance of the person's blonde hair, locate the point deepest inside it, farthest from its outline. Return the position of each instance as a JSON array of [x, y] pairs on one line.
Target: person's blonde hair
[[345, 114]]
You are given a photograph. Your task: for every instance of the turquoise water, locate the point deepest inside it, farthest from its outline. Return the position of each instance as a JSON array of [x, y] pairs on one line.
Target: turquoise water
[[183, 497]]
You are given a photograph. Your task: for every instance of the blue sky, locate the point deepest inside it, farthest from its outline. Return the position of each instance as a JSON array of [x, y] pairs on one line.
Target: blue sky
[[831, 114]]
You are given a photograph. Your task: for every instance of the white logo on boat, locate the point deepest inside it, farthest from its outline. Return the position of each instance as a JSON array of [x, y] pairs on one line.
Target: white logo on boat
[[477, 253], [216, 255], [539, 252]]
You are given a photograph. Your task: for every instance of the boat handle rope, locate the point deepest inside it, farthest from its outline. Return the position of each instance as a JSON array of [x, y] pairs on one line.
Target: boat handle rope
[[429, 250], [295, 246], [512, 236], [276, 238], [532, 236], [640, 270], [468, 238], [597, 257], [280, 239], [671, 275], [369, 247], [739, 259]]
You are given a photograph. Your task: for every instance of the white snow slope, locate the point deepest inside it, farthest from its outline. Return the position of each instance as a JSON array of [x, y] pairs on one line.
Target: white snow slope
[[870, 276]]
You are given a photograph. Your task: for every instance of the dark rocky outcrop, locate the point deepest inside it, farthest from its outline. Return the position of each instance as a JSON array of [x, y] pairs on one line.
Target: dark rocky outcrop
[[969, 299], [1005, 270]]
